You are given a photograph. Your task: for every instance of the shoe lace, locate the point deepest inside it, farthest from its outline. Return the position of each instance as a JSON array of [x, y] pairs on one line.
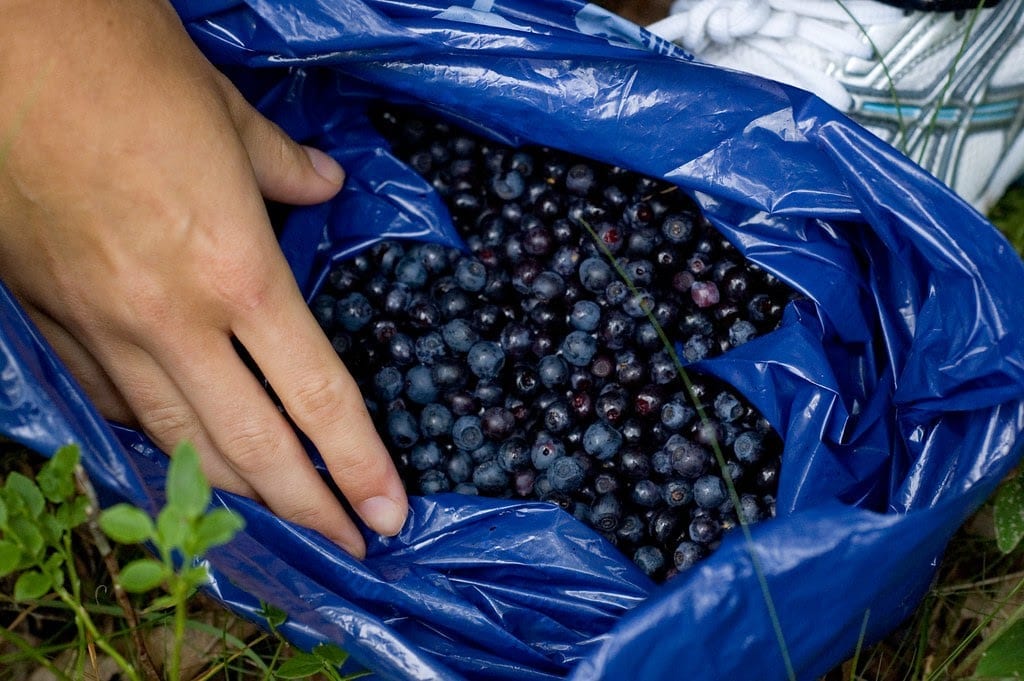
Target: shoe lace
[[837, 30]]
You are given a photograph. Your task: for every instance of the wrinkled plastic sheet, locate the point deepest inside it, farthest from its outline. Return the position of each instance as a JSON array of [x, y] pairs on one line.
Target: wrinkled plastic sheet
[[897, 383]]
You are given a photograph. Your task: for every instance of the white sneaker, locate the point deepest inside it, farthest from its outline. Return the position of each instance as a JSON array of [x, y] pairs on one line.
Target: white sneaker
[[890, 70]]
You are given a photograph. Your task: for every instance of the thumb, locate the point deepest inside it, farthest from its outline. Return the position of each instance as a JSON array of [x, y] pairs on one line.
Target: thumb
[[285, 171]]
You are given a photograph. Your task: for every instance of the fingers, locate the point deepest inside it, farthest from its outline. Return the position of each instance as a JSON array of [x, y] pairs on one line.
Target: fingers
[[84, 367], [285, 171], [163, 412], [256, 441], [325, 403]]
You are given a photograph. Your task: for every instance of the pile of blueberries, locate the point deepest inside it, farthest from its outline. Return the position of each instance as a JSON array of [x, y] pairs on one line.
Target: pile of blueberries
[[537, 363]]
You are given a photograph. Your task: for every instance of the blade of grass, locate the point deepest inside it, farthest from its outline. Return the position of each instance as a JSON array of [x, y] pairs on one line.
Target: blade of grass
[[716, 447]]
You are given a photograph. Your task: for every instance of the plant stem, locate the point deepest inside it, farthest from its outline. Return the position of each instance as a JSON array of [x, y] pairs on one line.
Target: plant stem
[[181, 591], [83, 619], [32, 653]]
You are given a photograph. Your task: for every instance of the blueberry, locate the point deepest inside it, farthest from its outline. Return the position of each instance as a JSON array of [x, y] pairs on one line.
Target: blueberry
[[638, 304], [556, 417], [687, 554], [663, 526], [548, 286], [489, 477], [689, 459], [585, 315], [429, 347], [516, 339], [411, 272], [508, 186], [388, 383], [553, 371], [485, 359], [705, 530], [434, 482], [675, 414], [606, 513], [709, 491], [448, 373], [353, 312], [513, 455], [545, 450], [704, 293], [419, 384], [579, 348], [402, 429], [580, 179], [741, 332], [459, 466], [595, 274], [616, 292], [601, 440], [566, 474], [650, 559], [728, 407], [748, 446], [470, 274], [435, 420], [425, 455], [646, 493], [497, 423], [466, 433], [677, 493], [402, 349]]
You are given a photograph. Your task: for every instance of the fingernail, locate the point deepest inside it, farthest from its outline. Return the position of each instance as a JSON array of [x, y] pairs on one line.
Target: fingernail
[[325, 166], [383, 514]]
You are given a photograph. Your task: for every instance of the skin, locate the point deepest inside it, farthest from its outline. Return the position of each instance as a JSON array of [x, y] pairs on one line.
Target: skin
[[133, 230]]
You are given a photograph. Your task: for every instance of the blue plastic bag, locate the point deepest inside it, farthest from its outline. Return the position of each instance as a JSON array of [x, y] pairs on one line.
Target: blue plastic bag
[[898, 384]]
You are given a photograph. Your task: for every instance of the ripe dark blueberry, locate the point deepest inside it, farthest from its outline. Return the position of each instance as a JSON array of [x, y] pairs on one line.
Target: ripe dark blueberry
[[642, 241], [402, 429], [342, 343], [461, 402], [664, 526], [662, 368], [647, 402], [768, 476], [489, 477], [677, 228], [750, 509], [425, 455], [687, 554], [705, 530], [606, 513], [435, 420], [748, 446], [696, 348], [388, 383], [633, 463], [629, 369], [448, 373], [661, 463], [631, 530], [612, 404], [485, 359], [459, 466], [546, 448], [548, 286], [709, 491], [434, 482], [638, 304], [524, 481], [650, 559], [676, 493], [585, 315], [615, 329], [353, 312], [419, 384], [467, 433], [595, 274], [675, 414], [647, 337], [323, 310], [708, 433], [741, 332], [525, 381], [497, 423], [579, 348], [581, 406], [429, 348], [515, 339], [508, 186], [704, 293], [646, 493], [689, 459], [633, 431], [602, 366], [396, 299], [423, 313], [566, 474], [728, 407], [523, 275], [601, 441], [579, 179], [545, 315], [489, 394], [553, 371], [470, 274], [556, 417], [616, 292], [411, 271], [513, 455]]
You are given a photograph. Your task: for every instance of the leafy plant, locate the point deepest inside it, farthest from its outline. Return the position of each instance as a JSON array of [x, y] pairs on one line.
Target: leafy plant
[[183, 532]]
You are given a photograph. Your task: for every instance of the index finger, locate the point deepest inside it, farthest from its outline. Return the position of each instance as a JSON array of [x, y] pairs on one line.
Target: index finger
[[324, 401]]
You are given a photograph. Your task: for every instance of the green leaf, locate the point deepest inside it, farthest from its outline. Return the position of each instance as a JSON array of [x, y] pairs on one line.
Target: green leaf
[[10, 557], [1004, 658], [31, 585], [172, 528], [126, 524], [3, 513], [302, 666], [26, 533], [51, 529], [274, 616], [194, 576], [164, 602], [28, 492], [57, 476], [331, 654], [217, 527], [71, 513], [142, 575], [187, 488], [1009, 514]]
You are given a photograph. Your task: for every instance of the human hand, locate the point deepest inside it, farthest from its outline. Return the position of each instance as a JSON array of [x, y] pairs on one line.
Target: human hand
[[133, 230]]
